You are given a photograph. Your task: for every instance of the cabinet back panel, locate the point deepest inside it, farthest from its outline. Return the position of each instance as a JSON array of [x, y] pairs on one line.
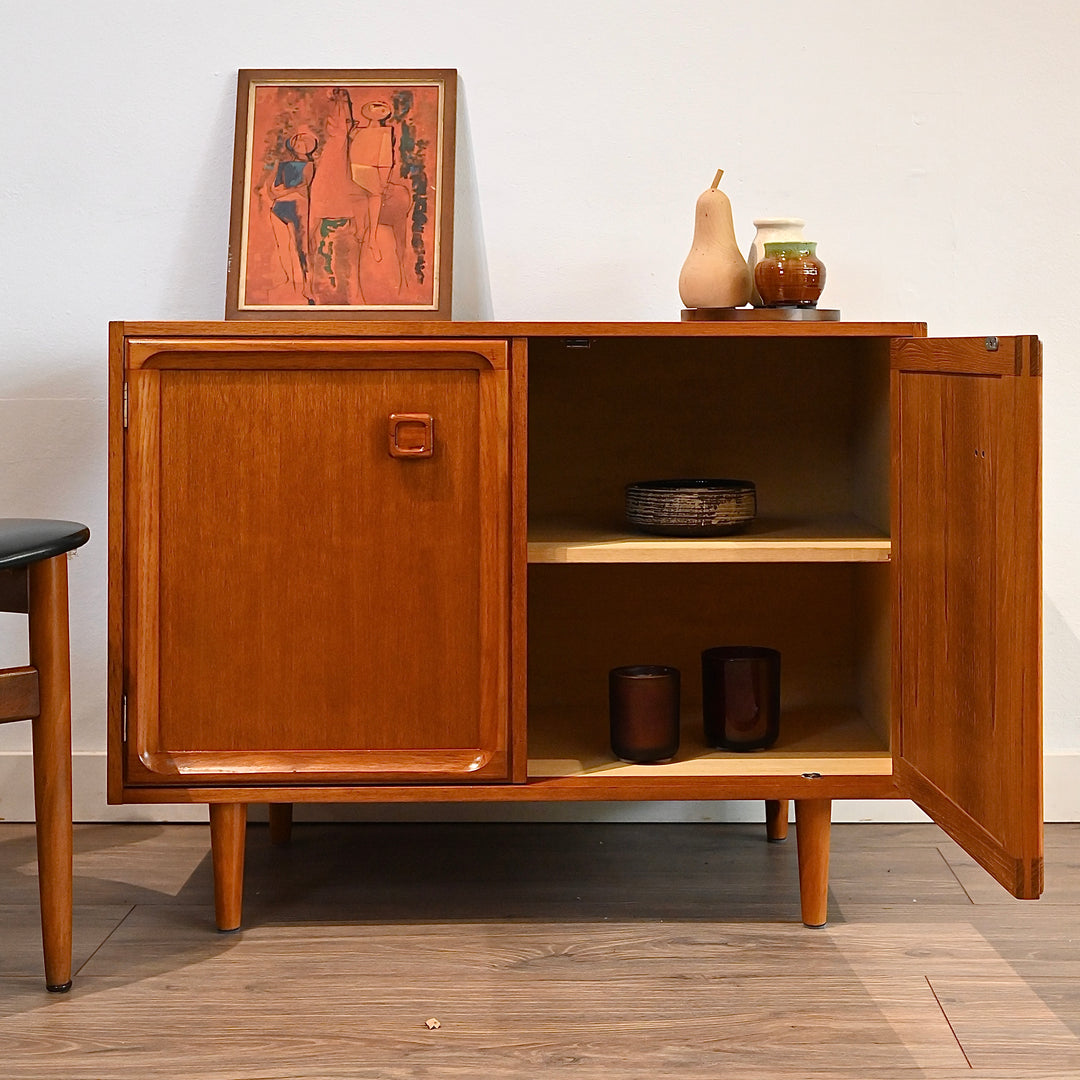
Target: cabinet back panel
[[276, 487], [806, 420], [585, 620]]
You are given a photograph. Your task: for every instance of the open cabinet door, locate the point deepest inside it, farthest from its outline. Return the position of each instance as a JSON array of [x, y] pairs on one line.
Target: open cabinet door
[[967, 550]]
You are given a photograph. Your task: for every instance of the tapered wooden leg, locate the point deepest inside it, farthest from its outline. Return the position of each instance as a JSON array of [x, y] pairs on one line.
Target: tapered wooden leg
[[49, 653], [228, 823], [280, 823], [776, 815], [812, 819]]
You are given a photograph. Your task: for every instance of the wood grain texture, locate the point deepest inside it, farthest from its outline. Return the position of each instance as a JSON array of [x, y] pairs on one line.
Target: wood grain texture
[[1062, 886], [575, 330], [812, 823], [411, 435], [829, 540], [139, 678], [281, 820], [227, 841], [585, 620], [830, 742], [970, 356], [13, 594], [140, 864], [50, 655], [519, 569], [19, 699], [677, 1029], [615, 950], [776, 820], [999, 1023], [118, 613], [573, 410], [41, 692], [20, 958], [278, 486], [284, 353], [589, 788], [800, 419], [968, 580]]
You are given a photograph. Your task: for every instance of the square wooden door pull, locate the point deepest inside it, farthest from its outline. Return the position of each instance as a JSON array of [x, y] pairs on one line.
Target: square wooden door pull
[[412, 435]]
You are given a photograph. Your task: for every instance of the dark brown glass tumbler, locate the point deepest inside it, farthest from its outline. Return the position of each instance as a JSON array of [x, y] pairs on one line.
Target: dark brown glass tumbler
[[644, 703], [740, 687]]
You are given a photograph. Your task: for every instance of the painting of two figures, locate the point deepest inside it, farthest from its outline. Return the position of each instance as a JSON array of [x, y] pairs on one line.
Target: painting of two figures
[[342, 196]]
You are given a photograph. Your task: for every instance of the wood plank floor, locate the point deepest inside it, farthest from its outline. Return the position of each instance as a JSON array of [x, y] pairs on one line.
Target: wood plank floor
[[591, 951]]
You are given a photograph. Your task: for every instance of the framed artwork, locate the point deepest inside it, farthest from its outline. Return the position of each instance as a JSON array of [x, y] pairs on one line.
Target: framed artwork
[[343, 195]]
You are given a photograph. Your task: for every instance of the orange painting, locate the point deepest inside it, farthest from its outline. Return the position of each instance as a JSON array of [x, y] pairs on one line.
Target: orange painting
[[343, 198]]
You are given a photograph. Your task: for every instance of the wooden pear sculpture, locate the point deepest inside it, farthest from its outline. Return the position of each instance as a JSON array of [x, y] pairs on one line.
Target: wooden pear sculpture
[[715, 274]]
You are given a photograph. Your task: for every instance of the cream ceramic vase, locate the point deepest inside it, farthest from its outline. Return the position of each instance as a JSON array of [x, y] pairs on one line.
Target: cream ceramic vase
[[715, 274], [770, 231]]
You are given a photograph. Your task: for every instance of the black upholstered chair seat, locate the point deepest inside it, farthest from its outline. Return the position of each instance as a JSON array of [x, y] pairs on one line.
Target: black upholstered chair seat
[[28, 540]]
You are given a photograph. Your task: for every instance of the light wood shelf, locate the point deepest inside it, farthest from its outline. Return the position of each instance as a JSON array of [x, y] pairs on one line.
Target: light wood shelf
[[832, 742], [767, 540]]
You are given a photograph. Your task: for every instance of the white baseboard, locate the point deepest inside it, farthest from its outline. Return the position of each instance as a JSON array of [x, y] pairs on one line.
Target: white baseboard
[[88, 787], [1062, 802]]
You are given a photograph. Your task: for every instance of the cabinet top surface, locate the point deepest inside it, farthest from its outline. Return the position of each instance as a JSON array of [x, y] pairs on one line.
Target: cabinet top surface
[[438, 329]]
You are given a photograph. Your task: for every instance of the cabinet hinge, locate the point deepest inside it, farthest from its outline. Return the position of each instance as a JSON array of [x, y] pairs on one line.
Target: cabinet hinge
[[125, 405]]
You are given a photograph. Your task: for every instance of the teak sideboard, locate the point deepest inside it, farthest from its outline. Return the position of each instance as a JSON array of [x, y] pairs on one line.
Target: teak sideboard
[[385, 562]]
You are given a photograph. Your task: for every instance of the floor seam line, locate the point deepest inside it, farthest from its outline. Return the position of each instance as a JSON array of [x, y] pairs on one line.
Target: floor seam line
[[955, 875], [948, 1021], [106, 939]]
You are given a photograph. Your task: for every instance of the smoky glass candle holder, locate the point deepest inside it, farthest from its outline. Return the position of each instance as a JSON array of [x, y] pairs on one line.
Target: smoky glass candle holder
[[644, 710], [740, 697]]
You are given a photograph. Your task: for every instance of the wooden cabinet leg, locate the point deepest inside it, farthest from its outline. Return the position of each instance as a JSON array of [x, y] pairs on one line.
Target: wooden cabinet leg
[[228, 822], [776, 815], [280, 823], [812, 819], [49, 653]]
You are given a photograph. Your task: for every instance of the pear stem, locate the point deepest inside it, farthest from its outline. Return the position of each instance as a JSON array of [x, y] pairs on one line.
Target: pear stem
[[716, 181]]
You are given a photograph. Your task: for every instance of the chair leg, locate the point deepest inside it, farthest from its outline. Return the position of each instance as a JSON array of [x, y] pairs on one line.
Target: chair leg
[[49, 653]]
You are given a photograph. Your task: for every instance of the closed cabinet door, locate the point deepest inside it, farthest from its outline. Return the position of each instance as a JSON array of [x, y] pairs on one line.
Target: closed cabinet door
[[316, 539], [966, 543]]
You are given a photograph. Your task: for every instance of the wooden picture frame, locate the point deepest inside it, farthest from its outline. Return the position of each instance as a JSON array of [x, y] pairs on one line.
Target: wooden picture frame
[[342, 195]]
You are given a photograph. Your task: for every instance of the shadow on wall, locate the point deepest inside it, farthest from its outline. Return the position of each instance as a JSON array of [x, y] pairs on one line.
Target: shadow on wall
[[52, 447], [194, 287], [1061, 665], [472, 285]]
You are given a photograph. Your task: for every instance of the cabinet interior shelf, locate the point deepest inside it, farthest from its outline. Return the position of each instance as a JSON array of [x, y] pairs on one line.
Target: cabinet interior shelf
[[833, 742], [767, 540]]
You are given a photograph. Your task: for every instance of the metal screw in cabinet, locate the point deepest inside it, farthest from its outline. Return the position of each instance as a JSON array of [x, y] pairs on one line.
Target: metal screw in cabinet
[[33, 580]]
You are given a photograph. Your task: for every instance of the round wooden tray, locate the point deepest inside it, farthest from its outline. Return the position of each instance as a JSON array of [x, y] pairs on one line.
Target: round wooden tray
[[785, 314]]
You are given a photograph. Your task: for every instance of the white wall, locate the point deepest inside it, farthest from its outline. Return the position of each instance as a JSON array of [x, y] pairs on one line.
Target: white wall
[[930, 145]]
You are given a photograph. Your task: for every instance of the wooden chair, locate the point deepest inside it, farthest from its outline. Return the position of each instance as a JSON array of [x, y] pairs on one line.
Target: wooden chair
[[33, 579]]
